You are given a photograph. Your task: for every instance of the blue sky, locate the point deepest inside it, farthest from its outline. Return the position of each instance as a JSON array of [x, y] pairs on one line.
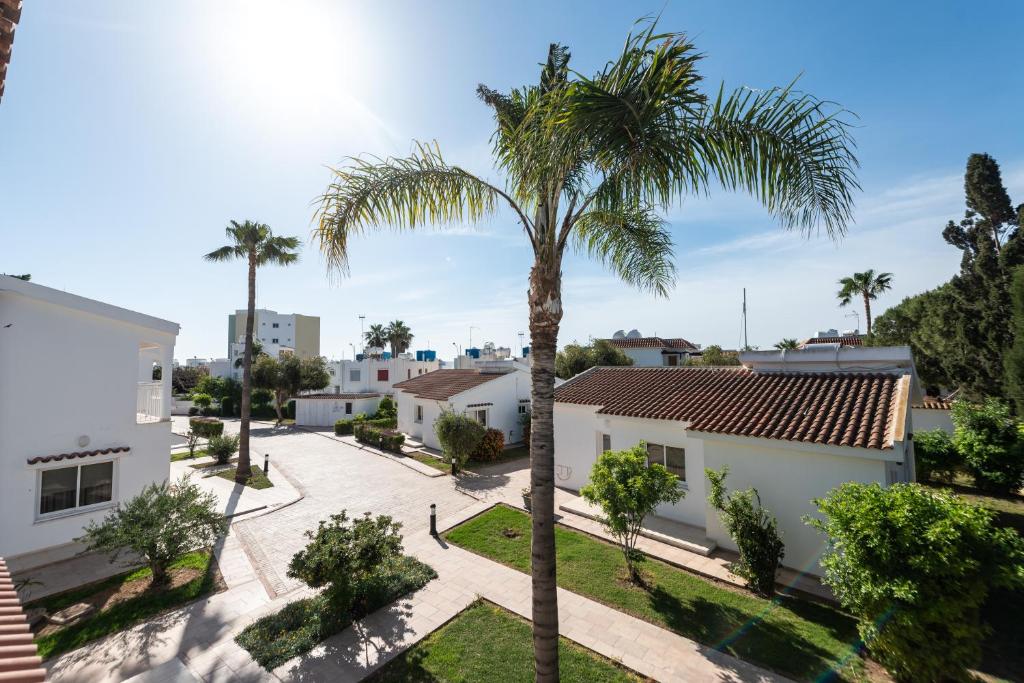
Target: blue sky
[[132, 132]]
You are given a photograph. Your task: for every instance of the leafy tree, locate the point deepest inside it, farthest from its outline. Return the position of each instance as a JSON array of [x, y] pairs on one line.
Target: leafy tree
[[753, 529], [713, 356], [787, 344], [257, 353], [914, 566], [923, 323], [259, 246], [935, 456], [460, 436], [1013, 362], [990, 442], [587, 163], [387, 408], [202, 400], [184, 379], [867, 285], [221, 447], [192, 440], [289, 377], [377, 336], [399, 337], [574, 358], [341, 555], [160, 524], [627, 489]]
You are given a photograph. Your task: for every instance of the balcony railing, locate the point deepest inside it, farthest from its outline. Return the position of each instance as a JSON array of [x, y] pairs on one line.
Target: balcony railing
[[149, 404]]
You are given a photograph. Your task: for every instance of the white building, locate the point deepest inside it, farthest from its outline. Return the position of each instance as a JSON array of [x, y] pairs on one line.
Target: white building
[[653, 352], [495, 397], [323, 410], [221, 367], [279, 333], [197, 362], [375, 375], [80, 435], [793, 433]]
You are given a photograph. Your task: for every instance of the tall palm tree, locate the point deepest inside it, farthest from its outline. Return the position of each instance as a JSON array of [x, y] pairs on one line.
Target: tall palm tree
[[377, 336], [399, 337], [587, 163], [787, 344], [257, 244], [868, 285]]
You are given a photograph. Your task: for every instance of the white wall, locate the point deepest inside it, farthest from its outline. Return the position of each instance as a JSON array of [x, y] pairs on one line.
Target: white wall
[[645, 357], [68, 374], [927, 419], [324, 412], [399, 370]]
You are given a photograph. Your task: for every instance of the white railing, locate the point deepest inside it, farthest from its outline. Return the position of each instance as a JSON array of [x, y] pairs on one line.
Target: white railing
[[149, 404]]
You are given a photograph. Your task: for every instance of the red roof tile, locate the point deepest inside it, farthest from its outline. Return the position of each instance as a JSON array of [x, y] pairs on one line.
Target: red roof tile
[[440, 385], [340, 396], [652, 343], [19, 660], [847, 340], [78, 454], [932, 403], [838, 409]]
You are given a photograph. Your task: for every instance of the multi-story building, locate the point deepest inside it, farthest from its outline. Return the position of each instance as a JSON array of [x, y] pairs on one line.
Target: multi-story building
[[279, 334], [371, 374]]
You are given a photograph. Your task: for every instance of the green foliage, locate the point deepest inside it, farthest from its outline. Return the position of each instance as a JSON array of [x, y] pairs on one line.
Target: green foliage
[[279, 379], [935, 456], [627, 489], [526, 419], [222, 447], [753, 529], [787, 344], [227, 406], [574, 358], [1013, 362], [209, 411], [991, 444], [866, 286], [385, 438], [185, 379], [459, 435], [206, 426], [398, 336], [202, 400], [343, 427], [290, 411], [192, 440], [491, 446], [261, 396], [915, 566], [713, 356], [387, 408], [160, 524], [341, 554]]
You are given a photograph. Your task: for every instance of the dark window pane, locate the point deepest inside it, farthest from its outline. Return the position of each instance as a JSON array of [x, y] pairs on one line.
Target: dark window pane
[[655, 454], [348, 408], [675, 461], [58, 490], [97, 485], [606, 442]]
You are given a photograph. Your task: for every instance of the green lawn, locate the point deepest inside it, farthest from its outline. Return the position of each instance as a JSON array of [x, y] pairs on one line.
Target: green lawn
[[1010, 509], [128, 613], [801, 639], [256, 480], [487, 643], [200, 452], [427, 459]]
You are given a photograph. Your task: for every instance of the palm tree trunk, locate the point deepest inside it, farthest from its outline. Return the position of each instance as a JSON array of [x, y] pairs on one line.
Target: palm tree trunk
[[545, 316], [242, 471], [867, 312]]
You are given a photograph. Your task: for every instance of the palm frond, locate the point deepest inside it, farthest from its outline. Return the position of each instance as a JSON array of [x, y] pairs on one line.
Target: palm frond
[[631, 242], [225, 253]]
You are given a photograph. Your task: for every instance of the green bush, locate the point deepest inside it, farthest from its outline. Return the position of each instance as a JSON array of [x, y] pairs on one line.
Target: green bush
[[366, 434], [193, 410], [227, 406], [935, 456], [382, 422], [343, 427], [459, 435], [222, 447], [262, 411], [989, 440], [525, 420], [388, 439], [387, 408], [202, 400], [491, 446], [210, 411], [290, 409], [391, 440], [262, 397], [914, 566], [753, 529], [206, 426]]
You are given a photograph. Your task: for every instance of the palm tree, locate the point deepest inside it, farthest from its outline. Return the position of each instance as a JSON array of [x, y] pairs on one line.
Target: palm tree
[[257, 244], [868, 285], [787, 344], [377, 336], [587, 163], [399, 337]]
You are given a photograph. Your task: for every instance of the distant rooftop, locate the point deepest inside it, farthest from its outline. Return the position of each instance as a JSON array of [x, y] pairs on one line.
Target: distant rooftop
[[652, 343]]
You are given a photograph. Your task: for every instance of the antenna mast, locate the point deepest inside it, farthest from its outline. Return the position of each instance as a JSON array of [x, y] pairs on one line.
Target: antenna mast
[[745, 344]]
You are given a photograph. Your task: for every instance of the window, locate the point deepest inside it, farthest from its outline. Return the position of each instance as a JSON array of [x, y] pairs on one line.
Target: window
[[606, 443], [408, 374], [522, 408], [353, 375], [672, 457], [672, 360], [331, 370], [348, 408], [275, 325], [274, 340], [382, 375], [419, 413], [480, 416], [67, 488]]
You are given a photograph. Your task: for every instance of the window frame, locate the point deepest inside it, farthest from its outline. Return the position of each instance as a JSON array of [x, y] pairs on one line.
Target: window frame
[[663, 461], [383, 375], [355, 375], [77, 509], [348, 407], [417, 414]]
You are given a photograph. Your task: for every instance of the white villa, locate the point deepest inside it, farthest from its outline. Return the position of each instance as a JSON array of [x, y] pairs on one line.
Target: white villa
[[653, 352], [69, 454], [494, 396], [791, 424], [375, 375], [323, 410]]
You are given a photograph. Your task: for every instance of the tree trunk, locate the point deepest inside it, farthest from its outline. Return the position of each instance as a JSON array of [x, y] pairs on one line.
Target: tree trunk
[[278, 398], [242, 471], [545, 298], [867, 312], [160, 575]]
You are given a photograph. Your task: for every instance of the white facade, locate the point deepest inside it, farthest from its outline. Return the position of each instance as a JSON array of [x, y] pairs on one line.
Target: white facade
[[375, 374], [927, 419], [497, 403], [57, 419], [278, 333], [221, 367], [323, 410]]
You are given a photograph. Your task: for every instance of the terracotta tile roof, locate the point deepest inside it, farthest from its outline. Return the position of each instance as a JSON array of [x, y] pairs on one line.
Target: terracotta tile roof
[[349, 397], [19, 660], [848, 340], [10, 15], [440, 385], [838, 409], [652, 343], [932, 403], [78, 454]]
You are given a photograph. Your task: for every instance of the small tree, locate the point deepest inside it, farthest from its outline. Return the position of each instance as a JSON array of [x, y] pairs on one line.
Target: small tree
[[202, 400], [160, 524], [387, 408], [753, 529], [989, 441], [222, 447], [914, 566], [627, 490], [191, 440], [714, 356], [575, 358], [935, 456], [287, 377], [341, 555], [459, 435]]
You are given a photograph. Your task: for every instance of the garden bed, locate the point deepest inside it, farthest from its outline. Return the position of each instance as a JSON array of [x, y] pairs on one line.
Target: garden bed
[[256, 480], [801, 639], [125, 600], [301, 625], [507, 455], [429, 460], [486, 643], [183, 455]]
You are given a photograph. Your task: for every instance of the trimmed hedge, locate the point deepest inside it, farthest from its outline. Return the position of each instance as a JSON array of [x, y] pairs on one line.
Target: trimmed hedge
[[206, 427], [262, 411], [491, 446], [343, 427], [290, 409], [387, 439], [346, 427], [227, 406]]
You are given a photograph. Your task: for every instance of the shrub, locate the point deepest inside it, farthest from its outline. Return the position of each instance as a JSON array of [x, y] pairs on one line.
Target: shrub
[[387, 408], [160, 524], [343, 555], [202, 400], [627, 490], [366, 434], [206, 426], [262, 397], [914, 566], [290, 409], [193, 410], [382, 422], [227, 406], [343, 427], [222, 447], [935, 456], [490, 447], [191, 440], [524, 420], [263, 411], [209, 411], [390, 440], [990, 443], [459, 435], [753, 529]]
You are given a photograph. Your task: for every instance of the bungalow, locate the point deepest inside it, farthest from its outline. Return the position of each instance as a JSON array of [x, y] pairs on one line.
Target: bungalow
[[494, 396], [323, 410], [82, 434], [654, 351], [792, 434]]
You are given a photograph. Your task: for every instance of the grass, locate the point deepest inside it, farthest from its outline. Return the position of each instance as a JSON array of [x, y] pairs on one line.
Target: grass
[[125, 614], [256, 480], [428, 459], [1009, 509], [301, 625], [487, 643], [200, 452], [801, 639]]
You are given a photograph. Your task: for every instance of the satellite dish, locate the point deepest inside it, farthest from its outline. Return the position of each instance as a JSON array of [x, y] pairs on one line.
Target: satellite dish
[[634, 334], [619, 334]]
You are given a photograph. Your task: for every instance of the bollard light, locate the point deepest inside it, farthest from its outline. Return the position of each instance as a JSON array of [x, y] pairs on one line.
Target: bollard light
[[266, 464], [433, 520]]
